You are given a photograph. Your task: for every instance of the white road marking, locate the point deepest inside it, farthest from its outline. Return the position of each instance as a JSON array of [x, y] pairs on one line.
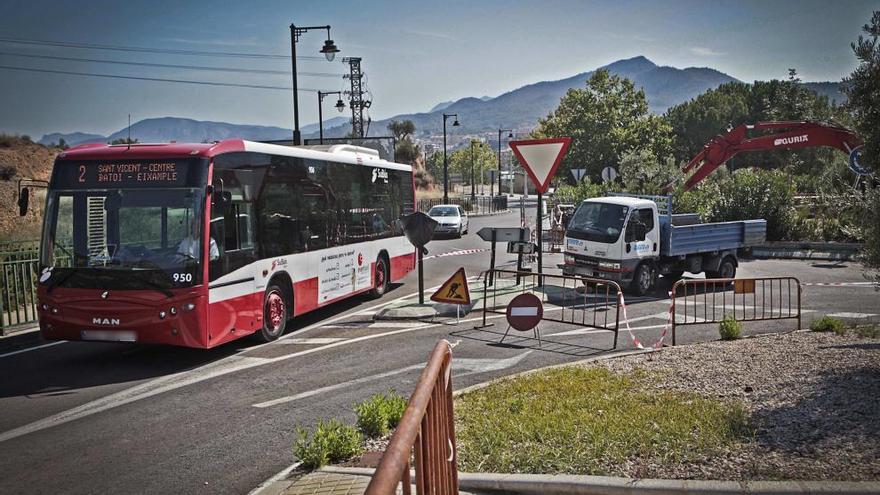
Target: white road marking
[[29, 349], [531, 311], [846, 314], [313, 341], [397, 324], [473, 366]]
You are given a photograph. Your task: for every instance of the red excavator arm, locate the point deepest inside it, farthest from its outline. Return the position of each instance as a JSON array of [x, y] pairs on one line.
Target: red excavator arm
[[796, 135]]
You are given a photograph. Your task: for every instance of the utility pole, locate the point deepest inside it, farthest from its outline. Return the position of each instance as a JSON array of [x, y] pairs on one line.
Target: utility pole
[[356, 96]]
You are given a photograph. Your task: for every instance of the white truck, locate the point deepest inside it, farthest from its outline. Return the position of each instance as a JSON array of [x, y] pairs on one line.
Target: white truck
[[633, 239]]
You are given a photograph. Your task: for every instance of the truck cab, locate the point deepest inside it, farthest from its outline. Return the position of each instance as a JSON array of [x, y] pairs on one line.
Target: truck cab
[[610, 237], [634, 239]]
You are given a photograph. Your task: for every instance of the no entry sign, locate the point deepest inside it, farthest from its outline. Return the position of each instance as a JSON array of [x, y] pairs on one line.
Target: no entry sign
[[525, 312]]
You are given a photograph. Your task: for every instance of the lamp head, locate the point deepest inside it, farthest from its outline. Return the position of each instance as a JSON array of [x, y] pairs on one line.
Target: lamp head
[[455, 124], [339, 105], [329, 50]]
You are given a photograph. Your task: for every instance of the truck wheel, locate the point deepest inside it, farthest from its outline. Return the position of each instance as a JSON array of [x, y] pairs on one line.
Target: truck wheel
[[274, 314], [380, 281], [727, 269], [643, 279]]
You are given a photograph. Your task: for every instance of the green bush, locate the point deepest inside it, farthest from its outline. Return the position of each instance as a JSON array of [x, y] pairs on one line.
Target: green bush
[[380, 413], [749, 194], [827, 324], [729, 328], [331, 441]]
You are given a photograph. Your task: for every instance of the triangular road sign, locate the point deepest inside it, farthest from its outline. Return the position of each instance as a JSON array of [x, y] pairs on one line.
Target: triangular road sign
[[455, 290], [578, 173], [541, 158]]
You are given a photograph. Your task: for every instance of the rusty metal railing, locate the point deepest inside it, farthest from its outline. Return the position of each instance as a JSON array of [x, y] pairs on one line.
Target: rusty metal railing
[[574, 300], [427, 431], [698, 301]]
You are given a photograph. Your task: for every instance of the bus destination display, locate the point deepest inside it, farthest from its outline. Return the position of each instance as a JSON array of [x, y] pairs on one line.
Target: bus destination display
[[168, 173]]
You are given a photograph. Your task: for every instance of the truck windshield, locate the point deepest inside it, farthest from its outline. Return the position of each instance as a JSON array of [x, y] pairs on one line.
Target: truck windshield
[[124, 238], [597, 222]]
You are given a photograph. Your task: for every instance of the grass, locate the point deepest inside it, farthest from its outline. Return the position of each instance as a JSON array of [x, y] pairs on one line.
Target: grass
[[828, 324], [582, 420]]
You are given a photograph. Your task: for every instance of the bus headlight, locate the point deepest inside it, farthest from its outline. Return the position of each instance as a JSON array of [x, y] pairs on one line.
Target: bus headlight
[[189, 306], [161, 315]]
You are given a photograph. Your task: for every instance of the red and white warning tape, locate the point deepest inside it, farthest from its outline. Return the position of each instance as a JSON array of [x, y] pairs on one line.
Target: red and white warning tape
[[635, 340], [460, 252], [835, 284]]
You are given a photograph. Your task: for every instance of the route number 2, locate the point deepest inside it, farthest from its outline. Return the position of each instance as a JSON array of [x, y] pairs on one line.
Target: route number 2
[[182, 277]]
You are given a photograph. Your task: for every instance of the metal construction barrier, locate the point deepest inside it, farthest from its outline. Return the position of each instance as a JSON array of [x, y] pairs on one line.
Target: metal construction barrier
[[580, 301], [427, 432], [696, 302], [480, 205]]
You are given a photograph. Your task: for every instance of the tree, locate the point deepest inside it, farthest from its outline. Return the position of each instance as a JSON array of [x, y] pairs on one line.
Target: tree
[[464, 160], [862, 89], [405, 150], [124, 141], [605, 120]]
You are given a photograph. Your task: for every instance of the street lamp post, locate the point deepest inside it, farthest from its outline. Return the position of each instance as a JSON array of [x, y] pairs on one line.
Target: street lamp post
[[329, 50], [473, 177], [338, 106], [445, 163], [509, 136]]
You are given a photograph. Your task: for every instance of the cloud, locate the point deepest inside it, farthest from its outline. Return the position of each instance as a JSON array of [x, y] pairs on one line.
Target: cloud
[[705, 52]]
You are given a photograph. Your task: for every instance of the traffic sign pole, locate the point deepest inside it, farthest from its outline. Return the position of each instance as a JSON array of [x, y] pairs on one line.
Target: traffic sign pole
[[540, 230], [421, 279]]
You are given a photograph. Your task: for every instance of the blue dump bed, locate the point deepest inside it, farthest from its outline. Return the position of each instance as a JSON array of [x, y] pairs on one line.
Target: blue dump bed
[[680, 240]]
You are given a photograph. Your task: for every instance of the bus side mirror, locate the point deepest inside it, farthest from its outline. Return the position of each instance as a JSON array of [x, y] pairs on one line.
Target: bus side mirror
[[24, 198]]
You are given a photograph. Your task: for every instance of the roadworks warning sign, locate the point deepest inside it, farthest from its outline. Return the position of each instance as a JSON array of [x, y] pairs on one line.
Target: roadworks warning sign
[[454, 290]]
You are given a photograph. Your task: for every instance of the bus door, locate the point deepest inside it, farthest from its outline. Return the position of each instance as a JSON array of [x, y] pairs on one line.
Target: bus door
[[236, 292]]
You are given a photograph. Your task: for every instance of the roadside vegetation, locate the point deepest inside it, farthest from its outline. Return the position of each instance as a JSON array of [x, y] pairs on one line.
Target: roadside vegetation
[[583, 420], [333, 441]]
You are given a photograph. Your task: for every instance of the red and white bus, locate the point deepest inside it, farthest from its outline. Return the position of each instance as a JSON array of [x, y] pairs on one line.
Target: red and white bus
[[200, 244]]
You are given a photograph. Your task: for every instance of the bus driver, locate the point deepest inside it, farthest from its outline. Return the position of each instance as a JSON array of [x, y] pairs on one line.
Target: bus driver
[[189, 245]]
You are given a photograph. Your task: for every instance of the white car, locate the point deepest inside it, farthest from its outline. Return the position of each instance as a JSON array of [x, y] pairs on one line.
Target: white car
[[452, 219]]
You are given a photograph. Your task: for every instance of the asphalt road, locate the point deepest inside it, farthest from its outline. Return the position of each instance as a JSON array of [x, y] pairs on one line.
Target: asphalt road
[[91, 417]]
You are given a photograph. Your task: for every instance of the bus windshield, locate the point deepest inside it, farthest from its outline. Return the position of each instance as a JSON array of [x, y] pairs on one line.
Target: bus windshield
[[125, 238]]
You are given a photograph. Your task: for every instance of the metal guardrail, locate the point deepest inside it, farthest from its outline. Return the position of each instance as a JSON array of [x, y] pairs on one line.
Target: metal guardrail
[[746, 299], [427, 431], [18, 294], [581, 301], [481, 205]]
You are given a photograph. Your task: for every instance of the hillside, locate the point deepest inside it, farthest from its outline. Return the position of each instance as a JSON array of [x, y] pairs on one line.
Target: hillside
[[22, 159]]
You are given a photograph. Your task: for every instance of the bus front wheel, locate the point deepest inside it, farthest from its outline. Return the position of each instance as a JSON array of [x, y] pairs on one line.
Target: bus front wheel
[[274, 313]]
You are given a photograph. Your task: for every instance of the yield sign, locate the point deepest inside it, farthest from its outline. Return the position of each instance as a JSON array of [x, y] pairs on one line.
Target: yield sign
[[541, 158], [578, 173], [454, 291]]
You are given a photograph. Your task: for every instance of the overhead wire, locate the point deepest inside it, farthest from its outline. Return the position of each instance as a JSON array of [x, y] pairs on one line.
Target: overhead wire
[[157, 79], [172, 66], [141, 49]]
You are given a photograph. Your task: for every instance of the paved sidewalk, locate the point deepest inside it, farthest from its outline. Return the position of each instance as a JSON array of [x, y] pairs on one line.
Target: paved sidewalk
[[319, 482]]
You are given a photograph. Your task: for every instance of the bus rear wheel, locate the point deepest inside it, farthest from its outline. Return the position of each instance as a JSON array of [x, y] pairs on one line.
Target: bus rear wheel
[[274, 314], [380, 277]]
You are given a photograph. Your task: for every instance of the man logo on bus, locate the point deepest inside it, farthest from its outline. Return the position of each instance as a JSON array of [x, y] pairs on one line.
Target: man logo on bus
[[380, 173], [105, 321], [278, 262]]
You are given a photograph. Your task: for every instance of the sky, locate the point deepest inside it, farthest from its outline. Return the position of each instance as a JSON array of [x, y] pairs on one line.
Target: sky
[[414, 54]]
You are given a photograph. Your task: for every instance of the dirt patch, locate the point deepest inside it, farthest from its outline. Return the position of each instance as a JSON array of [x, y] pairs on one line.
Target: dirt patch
[[813, 399], [22, 159]]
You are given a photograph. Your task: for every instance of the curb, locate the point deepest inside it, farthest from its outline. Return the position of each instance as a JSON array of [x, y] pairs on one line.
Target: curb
[[563, 484], [277, 484], [502, 212], [22, 329]]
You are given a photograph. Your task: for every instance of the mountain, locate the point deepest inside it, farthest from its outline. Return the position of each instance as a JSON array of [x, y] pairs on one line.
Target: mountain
[[164, 129], [522, 107], [71, 139], [833, 90]]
